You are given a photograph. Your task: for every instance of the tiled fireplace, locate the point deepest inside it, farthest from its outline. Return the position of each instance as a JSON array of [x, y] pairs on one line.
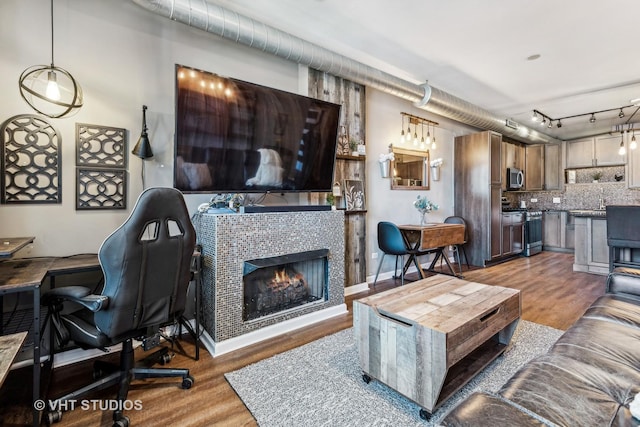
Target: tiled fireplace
[[266, 273]]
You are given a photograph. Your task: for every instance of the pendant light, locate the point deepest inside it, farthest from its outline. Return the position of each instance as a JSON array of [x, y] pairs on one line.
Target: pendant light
[[50, 90], [622, 151], [633, 144], [402, 132]]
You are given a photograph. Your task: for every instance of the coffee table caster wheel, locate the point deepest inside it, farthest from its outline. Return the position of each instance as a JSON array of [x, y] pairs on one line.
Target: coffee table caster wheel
[[425, 415], [366, 378]]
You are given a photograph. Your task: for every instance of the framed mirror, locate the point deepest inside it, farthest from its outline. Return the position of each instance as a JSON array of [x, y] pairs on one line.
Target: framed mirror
[[409, 169]]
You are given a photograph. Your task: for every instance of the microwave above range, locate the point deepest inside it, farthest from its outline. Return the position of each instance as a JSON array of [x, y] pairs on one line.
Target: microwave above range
[[515, 179]]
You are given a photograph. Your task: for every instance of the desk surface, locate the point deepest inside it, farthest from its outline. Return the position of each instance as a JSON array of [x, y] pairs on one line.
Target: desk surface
[[11, 245], [29, 272], [9, 347]]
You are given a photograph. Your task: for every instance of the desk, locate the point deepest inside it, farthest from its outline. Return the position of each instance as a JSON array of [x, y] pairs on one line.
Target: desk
[[11, 245], [9, 347], [27, 275], [432, 238]]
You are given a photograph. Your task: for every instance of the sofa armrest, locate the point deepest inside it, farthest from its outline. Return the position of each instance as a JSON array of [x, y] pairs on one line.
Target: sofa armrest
[[624, 280]]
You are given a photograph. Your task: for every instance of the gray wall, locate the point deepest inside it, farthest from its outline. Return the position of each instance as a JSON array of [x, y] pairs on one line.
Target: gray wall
[[124, 57]]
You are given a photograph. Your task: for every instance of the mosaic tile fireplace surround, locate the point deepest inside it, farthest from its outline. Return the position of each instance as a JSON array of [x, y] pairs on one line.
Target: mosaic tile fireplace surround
[[233, 243]]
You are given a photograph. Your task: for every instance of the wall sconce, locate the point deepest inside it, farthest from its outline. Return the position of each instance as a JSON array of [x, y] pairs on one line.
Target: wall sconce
[[143, 146], [50, 90]]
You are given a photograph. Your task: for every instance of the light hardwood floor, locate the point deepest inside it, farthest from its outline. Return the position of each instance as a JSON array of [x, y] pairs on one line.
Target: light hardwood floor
[[552, 294]]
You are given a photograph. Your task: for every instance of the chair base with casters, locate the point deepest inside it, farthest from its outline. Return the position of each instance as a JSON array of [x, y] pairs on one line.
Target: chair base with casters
[[109, 375]]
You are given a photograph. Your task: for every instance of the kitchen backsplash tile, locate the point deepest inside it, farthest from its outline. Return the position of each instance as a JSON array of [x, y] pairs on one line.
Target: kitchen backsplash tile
[[584, 194]]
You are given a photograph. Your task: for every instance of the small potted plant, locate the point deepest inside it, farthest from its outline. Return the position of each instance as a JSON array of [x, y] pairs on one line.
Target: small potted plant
[[596, 176], [353, 145]]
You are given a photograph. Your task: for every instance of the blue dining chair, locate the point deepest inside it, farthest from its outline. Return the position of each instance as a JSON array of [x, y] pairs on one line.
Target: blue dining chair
[[391, 242]]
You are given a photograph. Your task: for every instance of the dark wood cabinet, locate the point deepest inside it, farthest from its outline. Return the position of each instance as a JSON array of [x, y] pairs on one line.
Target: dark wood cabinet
[[512, 233], [477, 189], [553, 176], [534, 167]]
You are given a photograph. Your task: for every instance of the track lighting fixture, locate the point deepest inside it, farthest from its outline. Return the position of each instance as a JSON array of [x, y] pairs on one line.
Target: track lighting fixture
[[544, 119], [407, 136]]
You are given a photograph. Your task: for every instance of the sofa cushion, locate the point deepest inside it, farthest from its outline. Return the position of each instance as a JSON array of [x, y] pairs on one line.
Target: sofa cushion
[[482, 409], [568, 392]]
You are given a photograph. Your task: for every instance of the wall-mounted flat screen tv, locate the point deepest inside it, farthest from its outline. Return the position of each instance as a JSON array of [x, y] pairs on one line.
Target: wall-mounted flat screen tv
[[234, 136]]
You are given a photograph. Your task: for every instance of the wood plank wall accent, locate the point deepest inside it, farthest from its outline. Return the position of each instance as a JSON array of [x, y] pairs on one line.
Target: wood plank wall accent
[[352, 127]]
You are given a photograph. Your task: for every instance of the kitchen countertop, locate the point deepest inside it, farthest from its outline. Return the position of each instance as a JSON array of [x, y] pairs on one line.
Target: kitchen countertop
[[599, 213]]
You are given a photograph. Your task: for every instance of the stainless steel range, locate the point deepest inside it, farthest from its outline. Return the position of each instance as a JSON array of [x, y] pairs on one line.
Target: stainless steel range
[[532, 232], [532, 229]]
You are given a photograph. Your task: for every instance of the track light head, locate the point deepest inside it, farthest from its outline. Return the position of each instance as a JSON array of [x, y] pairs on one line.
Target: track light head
[[593, 118], [621, 113], [559, 125], [534, 117]]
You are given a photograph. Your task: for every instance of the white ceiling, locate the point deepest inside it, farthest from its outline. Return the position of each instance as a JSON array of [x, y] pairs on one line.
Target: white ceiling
[[478, 50]]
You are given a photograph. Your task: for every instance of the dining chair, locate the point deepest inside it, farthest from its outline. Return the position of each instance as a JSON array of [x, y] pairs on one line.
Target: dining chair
[[391, 242], [457, 248]]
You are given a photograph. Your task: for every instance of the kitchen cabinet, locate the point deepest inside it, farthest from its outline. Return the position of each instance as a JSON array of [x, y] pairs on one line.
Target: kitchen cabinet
[[534, 167], [594, 151], [477, 192], [512, 157], [553, 174], [512, 233], [606, 149], [557, 231], [591, 250]]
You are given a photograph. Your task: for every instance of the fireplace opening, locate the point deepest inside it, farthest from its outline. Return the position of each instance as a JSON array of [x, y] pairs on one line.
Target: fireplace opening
[[284, 282]]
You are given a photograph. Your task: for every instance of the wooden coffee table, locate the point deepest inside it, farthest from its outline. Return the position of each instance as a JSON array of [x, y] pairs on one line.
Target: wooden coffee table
[[427, 339]]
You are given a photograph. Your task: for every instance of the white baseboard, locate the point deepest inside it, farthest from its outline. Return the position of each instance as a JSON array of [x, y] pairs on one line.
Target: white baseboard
[[355, 289], [219, 348]]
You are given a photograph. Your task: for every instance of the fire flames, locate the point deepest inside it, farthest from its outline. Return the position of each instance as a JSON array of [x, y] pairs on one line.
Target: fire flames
[[282, 280]]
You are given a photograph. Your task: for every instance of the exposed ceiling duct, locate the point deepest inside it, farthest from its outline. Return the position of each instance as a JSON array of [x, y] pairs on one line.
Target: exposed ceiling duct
[[206, 16]]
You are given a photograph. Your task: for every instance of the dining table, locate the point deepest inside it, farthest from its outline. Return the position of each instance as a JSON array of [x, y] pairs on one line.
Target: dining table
[[432, 238]]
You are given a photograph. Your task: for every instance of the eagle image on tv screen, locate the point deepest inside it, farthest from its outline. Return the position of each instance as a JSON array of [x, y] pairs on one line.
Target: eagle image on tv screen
[[234, 136]]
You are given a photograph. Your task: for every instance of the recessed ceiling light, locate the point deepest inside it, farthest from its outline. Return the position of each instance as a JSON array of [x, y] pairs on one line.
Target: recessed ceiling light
[[533, 57]]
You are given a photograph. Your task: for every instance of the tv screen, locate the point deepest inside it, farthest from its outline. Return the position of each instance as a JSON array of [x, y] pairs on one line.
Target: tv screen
[[234, 136]]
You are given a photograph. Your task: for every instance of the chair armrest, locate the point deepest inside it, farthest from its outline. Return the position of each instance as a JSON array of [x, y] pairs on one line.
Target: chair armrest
[[624, 280], [77, 294]]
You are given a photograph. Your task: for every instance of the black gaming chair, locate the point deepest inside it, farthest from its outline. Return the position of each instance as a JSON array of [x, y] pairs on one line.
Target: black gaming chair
[[146, 266]]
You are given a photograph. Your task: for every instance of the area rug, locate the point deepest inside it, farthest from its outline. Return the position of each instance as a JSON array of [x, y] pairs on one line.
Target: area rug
[[320, 384]]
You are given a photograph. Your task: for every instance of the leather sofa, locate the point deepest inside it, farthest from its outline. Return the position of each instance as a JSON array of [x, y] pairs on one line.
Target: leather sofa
[[587, 378]]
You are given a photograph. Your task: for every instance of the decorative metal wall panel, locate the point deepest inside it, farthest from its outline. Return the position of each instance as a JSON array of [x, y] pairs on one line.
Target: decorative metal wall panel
[[101, 146], [31, 162], [101, 188]]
